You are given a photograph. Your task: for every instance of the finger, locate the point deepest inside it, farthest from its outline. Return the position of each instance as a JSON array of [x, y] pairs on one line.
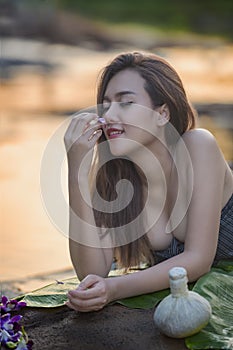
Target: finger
[[89, 288], [99, 122], [87, 135], [79, 121], [82, 124], [82, 294], [86, 305], [95, 135], [93, 122], [90, 135], [89, 281], [69, 305], [89, 124]]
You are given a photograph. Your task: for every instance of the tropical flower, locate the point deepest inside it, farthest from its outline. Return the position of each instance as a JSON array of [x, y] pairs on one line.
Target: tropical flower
[[12, 333], [8, 305]]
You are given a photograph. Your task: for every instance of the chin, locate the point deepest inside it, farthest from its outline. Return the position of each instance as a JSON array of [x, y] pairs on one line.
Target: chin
[[117, 151], [123, 147]]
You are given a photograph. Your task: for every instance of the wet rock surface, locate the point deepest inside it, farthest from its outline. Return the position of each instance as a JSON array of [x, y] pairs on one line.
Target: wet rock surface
[[114, 327]]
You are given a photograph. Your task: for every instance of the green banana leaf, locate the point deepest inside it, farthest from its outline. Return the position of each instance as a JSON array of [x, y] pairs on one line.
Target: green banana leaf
[[226, 265], [217, 288], [52, 295], [145, 301]]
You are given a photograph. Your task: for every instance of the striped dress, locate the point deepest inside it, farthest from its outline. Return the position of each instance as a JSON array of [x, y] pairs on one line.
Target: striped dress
[[225, 239]]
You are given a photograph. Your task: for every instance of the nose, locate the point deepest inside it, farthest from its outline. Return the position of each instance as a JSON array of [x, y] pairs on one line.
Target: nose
[[111, 114]]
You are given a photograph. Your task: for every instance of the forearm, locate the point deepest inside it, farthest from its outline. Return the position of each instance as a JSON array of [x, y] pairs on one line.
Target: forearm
[[154, 278], [85, 244]]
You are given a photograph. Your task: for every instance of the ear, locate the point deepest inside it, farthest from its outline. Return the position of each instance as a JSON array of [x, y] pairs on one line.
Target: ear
[[164, 115]]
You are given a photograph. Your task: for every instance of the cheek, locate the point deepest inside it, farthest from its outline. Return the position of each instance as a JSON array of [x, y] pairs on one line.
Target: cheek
[[142, 118], [141, 133], [144, 138]]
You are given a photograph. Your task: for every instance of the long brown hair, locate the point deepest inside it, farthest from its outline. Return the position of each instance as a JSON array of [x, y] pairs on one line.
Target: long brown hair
[[164, 86]]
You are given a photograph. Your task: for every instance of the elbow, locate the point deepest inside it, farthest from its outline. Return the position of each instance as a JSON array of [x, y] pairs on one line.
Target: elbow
[[198, 271], [197, 267], [195, 273]]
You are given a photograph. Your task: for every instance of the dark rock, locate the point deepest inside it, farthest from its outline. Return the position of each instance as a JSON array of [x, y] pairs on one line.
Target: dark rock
[[114, 327]]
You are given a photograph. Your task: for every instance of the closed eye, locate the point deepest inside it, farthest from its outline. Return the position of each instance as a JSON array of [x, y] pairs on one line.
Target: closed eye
[[125, 104], [106, 106]]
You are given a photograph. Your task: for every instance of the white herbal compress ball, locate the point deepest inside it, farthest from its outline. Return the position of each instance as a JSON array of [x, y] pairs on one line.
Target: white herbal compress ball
[[183, 312]]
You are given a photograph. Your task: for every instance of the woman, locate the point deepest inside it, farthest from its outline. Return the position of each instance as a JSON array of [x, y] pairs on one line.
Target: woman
[[180, 211]]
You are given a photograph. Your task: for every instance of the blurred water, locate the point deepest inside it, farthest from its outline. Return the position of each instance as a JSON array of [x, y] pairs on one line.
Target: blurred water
[[29, 242]]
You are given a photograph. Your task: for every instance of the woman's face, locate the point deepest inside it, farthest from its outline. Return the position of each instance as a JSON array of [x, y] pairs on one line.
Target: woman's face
[[129, 114]]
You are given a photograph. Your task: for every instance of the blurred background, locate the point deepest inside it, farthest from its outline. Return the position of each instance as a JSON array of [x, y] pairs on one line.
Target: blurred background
[[51, 54]]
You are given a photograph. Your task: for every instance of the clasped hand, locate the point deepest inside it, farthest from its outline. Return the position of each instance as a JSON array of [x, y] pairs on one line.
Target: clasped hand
[[92, 294]]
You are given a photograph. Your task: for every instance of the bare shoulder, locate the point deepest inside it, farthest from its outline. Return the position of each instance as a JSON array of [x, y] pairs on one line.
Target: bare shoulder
[[207, 159], [200, 142], [195, 136]]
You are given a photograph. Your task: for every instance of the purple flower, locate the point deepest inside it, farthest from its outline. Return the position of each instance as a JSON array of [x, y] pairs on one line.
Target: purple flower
[[4, 337], [12, 333], [24, 345], [10, 328], [8, 305], [10, 323]]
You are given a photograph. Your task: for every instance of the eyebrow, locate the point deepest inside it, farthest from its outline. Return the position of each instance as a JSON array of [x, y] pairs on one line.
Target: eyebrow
[[120, 94]]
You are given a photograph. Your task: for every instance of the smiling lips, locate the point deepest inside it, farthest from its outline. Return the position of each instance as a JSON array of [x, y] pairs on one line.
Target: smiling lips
[[114, 132]]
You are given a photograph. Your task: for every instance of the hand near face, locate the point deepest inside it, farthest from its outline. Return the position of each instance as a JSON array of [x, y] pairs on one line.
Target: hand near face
[[92, 294], [80, 138]]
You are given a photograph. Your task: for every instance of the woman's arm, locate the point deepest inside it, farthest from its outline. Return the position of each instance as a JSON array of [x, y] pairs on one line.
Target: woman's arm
[[85, 244], [86, 253]]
